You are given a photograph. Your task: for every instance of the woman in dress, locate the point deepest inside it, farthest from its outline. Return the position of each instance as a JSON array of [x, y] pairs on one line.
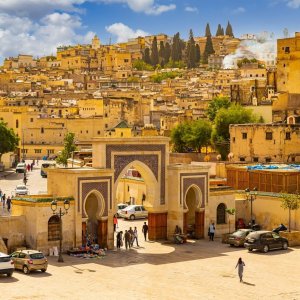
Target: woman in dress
[[240, 264]]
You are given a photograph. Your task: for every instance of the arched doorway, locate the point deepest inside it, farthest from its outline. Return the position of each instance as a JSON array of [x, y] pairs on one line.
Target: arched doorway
[[147, 193], [94, 227], [193, 219]]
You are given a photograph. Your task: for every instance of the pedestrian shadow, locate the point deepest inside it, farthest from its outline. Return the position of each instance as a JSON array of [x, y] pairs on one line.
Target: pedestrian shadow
[[248, 283]]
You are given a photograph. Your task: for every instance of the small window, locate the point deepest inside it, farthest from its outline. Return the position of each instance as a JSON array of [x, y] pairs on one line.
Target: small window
[[255, 159], [268, 159], [37, 151], [244, 135], [31, 120], [287, 135], [221, 213], [42, 130], [17, 123], [287, 50], [269, 136], [127, 188], [242, 158], [98, 132], [233, 139]]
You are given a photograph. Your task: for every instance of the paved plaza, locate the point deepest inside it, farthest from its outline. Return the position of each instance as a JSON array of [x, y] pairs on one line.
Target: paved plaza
[[196, 270]]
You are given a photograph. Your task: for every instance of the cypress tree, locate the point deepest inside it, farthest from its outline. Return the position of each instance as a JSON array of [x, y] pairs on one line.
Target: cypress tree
[[147, 58], [161, 52], [154, 52], [209, 49], [177, 47], [207, 30], [219, 30], [222, 31], [198, 54], [191, 51], [229, 30], [167, 53]]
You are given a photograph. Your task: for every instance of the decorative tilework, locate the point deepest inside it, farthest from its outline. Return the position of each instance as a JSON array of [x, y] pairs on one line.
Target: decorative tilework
[[137, 153]]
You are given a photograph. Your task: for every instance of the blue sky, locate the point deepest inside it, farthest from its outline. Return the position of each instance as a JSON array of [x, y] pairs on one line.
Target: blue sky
[[38, 26]]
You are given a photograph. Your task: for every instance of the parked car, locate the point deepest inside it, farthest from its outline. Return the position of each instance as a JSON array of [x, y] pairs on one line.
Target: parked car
[[29, 260], [21, 168], [21, 189], [238, 237], [120, 206], [265, 241], [134, 212], [6, 264]]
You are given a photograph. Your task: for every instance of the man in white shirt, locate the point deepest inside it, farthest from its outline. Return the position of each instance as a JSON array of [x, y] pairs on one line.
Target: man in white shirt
[[211, 231]]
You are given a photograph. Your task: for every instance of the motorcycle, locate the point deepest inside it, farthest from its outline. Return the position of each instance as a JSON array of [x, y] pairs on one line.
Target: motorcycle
[[281, 227]]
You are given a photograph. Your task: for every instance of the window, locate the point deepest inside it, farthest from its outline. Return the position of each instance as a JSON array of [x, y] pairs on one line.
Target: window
[[244, 135], [50, 151], [53, 228], [24, 150], [287, 50], [268, 159], [255, 159], [221, 213], [98, 132], [287, 135], [269, 136], [37, 151], [242, 158], [17, 123], [233, 139], [127, 188], [31, 120], [42, 130]]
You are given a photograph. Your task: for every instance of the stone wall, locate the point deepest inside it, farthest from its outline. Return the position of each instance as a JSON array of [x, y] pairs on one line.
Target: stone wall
[[293, 237], [13, 229]]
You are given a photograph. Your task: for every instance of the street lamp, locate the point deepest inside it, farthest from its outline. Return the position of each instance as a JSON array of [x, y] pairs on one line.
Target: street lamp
[[251, 196], [60, 213]]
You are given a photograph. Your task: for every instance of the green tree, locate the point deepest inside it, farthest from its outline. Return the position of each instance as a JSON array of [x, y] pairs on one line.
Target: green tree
[[229, 30], [147, 57], [161, 53], [177, 48], [198, 135], [178, 137], [222, 31], [141, 65], [191, 51], [219, 30], [69, 148], [154, 52], [209, 49], [215, 105], [235, 114], [207, 30], [198, 54], [8, 139], [167, 53], [290, 202]]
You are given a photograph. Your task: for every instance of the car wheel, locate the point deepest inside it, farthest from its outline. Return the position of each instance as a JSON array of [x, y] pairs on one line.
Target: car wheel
[[231, 245], [26, 270], [250, 249], [9, 274], [132, 217], [44, 270], [285, 246], [265, 248]]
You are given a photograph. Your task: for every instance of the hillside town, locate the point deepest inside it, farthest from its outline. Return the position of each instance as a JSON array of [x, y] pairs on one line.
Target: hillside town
[[199, 138]]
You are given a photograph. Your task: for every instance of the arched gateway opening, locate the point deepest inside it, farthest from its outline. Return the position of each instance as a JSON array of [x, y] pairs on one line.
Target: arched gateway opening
[[92, 231], [193, 224]]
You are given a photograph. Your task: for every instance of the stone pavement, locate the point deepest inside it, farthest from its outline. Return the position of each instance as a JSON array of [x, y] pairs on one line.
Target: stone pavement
[[197, 270]]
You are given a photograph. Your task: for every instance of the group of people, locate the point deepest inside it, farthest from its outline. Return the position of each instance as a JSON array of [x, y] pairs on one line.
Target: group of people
[[130, 236], [6, 201]]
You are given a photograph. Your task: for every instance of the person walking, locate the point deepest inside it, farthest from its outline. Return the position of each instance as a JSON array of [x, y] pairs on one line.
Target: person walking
[[3, 203], [131, 235], [119, 239], [8, 204], [0, 195], [145, 230], [126, 238], [135, 237], [211, 231], [28, 167], [240, 265], [115, 222]]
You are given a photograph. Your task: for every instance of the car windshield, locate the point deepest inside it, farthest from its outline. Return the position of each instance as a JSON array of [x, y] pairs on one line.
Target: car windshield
[[239, 233], [4, 259], [21, 187], [37, 255]]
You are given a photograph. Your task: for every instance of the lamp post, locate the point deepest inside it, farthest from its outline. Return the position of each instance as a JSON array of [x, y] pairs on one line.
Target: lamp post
[[60, 213], [251, 196]]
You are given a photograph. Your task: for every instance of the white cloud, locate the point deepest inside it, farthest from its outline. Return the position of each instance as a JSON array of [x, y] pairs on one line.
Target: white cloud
[[123, 32], [191, 9], [148, 7], [21, 35], [239, 10], [293, 3]]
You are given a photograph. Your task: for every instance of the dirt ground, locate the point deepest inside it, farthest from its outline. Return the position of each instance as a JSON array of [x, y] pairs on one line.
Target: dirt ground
[[196, 270]]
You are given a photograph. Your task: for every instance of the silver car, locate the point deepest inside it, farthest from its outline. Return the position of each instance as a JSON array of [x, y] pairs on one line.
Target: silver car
[[132, 212], [21, 190]]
